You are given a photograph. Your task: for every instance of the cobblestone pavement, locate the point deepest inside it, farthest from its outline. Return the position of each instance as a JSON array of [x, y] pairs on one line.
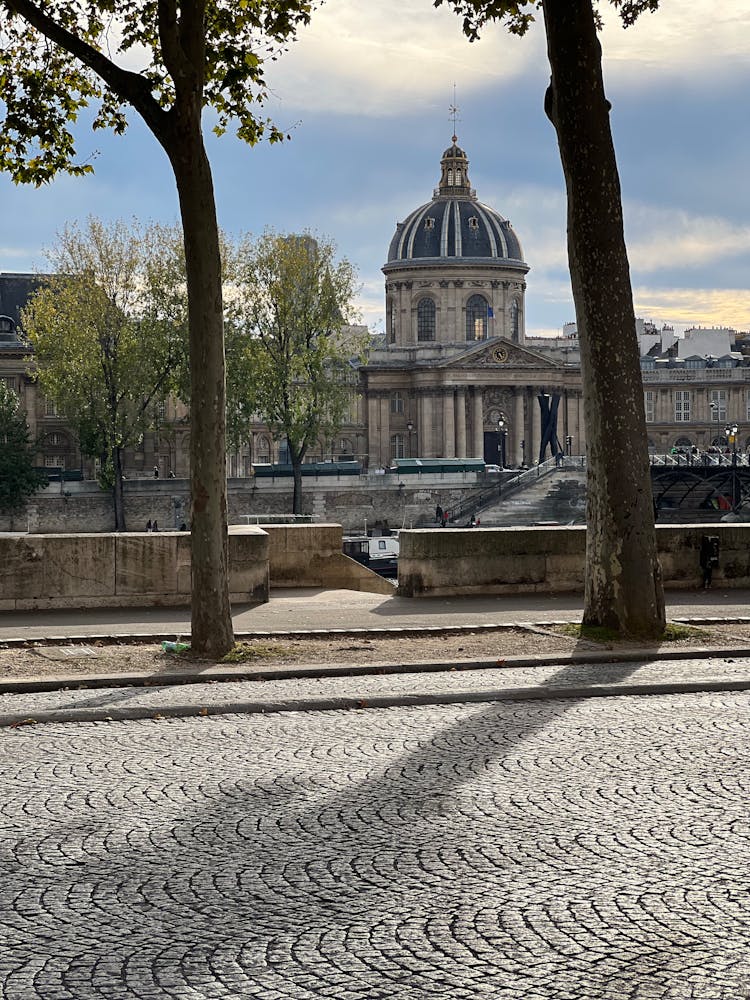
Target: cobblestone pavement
[[556, 850]]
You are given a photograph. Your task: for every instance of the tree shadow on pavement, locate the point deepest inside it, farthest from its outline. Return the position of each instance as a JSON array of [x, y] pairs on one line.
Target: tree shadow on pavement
[[458, 851]]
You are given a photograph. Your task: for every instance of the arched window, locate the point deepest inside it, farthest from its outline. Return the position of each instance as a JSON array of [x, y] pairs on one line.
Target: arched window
[[263, 450], [426, 319], [476, 318], [397, 446]]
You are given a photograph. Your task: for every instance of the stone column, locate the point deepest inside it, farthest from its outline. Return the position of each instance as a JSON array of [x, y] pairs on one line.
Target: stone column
[[385, 431], [519, 431], [449, 425], [460, 403], [426, 430], [373, 432], [477, 425]]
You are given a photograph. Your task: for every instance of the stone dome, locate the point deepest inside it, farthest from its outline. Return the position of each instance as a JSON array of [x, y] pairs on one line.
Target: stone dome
[[455, 226]]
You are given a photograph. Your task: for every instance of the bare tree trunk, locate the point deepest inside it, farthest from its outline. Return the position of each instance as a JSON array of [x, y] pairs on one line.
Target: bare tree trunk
[[211, 618], [623, 576]]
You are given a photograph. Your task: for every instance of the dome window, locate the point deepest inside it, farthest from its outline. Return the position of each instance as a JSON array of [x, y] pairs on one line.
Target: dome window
[[476, 318], [473, 222], [429, 223], [426, 319]]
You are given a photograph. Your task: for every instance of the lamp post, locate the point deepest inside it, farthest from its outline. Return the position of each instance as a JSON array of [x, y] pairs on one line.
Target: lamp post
[[502, 431], [409, 429], [731, 433], [569, 444]]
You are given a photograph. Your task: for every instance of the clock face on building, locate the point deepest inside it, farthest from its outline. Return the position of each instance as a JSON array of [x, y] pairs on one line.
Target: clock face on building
[[500, 354]]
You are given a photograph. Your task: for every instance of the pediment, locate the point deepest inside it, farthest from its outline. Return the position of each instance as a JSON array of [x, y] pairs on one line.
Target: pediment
[[499, 353]]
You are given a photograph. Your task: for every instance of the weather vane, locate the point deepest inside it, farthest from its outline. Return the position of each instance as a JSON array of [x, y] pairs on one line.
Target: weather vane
[[453, 111]]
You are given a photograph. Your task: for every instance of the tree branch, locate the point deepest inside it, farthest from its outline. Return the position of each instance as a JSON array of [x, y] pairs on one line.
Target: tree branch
[[130, 87]]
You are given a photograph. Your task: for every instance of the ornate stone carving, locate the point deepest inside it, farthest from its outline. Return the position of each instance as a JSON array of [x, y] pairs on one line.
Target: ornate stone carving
[[443, 284]]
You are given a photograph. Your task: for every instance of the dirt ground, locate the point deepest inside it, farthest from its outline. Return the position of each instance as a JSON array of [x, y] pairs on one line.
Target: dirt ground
[[77, 661]]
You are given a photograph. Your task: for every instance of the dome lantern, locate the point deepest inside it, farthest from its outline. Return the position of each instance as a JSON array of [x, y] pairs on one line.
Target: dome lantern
[[454, 172]]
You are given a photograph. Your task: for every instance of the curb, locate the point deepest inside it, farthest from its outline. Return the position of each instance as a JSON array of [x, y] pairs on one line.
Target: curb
[[114, 714]]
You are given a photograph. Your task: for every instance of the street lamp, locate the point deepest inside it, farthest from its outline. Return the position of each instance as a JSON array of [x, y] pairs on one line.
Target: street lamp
[[731, 433], [502, 431], [410, 428], [569, 444]]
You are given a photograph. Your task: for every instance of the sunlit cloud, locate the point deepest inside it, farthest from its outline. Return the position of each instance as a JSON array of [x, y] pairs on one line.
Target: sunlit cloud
[[728, 307]]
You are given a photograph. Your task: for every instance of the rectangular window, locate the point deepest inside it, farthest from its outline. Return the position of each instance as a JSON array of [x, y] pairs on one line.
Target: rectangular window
[[717, 405], [54, 462], [747, 406], [682, 406], [10, 381], [50, 408], [397, 403], [650, 404]]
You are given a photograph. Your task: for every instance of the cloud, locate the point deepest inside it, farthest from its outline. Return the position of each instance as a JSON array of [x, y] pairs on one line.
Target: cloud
[[697, 40], [391, 57], [660, 239]]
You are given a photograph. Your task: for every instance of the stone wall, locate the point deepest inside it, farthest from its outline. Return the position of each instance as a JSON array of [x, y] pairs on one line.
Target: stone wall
[[309, 555], [354, 502], [143, 569], [120, 570], [552, 560]]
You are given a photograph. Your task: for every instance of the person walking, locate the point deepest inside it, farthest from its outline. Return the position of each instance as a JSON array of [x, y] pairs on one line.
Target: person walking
[[439, 514]]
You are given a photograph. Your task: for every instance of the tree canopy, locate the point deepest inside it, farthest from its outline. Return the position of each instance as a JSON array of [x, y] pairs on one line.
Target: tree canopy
[[288, 351], [109, 334], [19, 479], [216, 47]]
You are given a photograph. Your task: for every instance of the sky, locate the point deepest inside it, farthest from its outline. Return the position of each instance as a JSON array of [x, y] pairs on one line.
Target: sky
[[365, 93]]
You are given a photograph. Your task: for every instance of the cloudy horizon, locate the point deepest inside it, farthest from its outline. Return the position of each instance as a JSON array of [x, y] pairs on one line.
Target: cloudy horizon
[[366, 92]]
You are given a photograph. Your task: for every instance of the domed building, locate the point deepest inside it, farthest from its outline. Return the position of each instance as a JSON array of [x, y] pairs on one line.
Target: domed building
[[456, 377]]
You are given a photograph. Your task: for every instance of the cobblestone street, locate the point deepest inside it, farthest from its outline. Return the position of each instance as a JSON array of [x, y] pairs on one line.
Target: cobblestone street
[[545, 851]]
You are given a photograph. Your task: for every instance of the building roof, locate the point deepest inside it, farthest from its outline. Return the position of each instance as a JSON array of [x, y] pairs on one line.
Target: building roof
[[455, 225]]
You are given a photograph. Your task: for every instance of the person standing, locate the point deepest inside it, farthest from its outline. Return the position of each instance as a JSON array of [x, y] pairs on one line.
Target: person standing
[[439, 514]]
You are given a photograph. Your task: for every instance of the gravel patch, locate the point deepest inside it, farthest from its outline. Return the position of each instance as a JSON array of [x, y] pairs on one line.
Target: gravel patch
[[269, 653]]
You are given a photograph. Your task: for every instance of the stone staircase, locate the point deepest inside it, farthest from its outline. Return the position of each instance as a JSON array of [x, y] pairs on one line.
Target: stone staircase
[[558, 497]]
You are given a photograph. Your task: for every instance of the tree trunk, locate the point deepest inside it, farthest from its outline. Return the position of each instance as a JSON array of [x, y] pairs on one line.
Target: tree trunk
[[297, 476], [623, 576], [211, 618], [117, 490]]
